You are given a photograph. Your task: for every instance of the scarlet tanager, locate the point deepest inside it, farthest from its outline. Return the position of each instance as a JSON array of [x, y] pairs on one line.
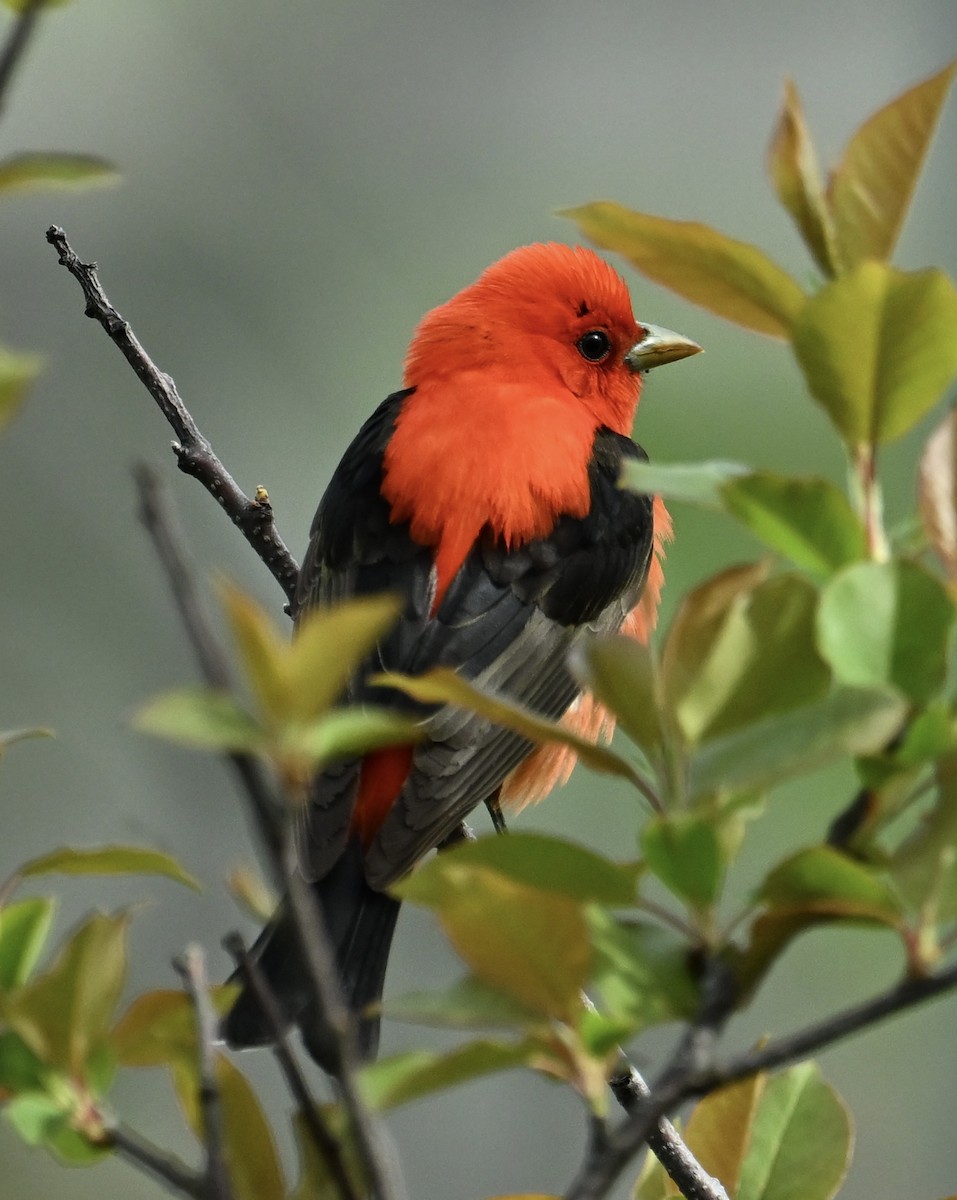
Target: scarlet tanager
[[485, 494]]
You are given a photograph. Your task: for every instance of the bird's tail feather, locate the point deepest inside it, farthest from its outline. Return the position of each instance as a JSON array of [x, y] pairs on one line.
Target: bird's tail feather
[[359, 923]]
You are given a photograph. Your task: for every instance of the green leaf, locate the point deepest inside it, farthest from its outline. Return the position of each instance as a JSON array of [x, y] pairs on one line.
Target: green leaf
[[443, 686], [254, 1168], [24, 927], [26, 172], [870, 192], [159, 1027], [63, 1014], [684, 851], [20, 1069], [887, 624], [801, 1140], [550, 864], [530, 944], [937, 492], [203, 718], [467, 1004], [394, 1081], [741, 649], [718, 1132], [315, 1181], [824, 880], [792, 165], [733, 279], [620, 672], [697, 483], [642, 972], [877, 349], [21, 5], [924, 865], [109, 860], [847, 721], [347, 732], [17, 372], [32, 1115], [809, 521]]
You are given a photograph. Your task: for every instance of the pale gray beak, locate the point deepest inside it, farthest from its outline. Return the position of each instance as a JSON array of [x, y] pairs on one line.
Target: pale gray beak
[[657, 347]]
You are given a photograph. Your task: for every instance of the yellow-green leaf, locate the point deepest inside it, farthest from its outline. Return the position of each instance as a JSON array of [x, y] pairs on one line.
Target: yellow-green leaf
[[870, 192], [443, 686], [801, 1140], [64, 1013], [263, 653], [877, 349], [23, 932], [394, 1081], [203, 718], [109, 860], [621, 673], [25, 172], [17, 372], [9, 736], [254, 1167], [346, 732], [793, 167], [733, 279]]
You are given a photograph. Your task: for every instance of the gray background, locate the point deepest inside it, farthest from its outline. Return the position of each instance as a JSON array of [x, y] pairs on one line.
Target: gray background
[[302, 182]]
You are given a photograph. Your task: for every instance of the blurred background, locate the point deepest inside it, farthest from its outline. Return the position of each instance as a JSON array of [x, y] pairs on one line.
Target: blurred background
[[302, 182]]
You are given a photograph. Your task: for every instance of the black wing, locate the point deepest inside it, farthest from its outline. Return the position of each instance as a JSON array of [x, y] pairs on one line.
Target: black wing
[[507, 620]]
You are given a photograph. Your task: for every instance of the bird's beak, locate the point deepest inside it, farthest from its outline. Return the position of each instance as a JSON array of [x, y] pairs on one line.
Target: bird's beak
[[657, 347]]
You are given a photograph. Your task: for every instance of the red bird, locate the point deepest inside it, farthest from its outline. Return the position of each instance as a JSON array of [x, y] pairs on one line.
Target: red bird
[[485, 494]]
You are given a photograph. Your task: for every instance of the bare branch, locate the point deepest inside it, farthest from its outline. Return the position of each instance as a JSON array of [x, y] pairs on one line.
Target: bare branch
[[192, 968], [148, 1158], [194, 454], [16, 44], [325, 1142], [156, 513]]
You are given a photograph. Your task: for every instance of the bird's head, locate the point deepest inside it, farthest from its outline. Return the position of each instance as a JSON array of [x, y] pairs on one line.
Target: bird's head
[[551, 317]]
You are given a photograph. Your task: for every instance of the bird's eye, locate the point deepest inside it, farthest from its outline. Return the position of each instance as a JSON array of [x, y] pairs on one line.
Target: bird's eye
[[594, 345]]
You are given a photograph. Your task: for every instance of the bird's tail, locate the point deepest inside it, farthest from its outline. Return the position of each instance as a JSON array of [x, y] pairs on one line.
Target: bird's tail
[[359, 923]]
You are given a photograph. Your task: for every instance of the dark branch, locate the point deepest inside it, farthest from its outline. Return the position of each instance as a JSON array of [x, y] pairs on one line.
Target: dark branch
[[16, 44], [194, 454], [161, 1166], [192, 968], [157, 516], [325, 1142]]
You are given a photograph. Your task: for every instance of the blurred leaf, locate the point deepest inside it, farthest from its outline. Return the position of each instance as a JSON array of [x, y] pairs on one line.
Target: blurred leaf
[[877, 349], [52, 171], [823, 880], [24, 927], [254, 1167], [925, 862], [620, 672], [793, 167], [741, 649], [801, 1140], [809, 521], [642, 971], [467, 1004], [109, 860], [160, 1026], [263, 653], [394, 1081], [550, 864], [347, 732], [530, 944], [870, 192], [887, 624], [733, 279], [330, 643], [20, 1069], [44, 1120], [201, 717], [64, 1013], [848, 721], [697, 483], [17, 372], [937, 492], [8, 737], [718, 1132], [250, 890], [443, 686], [683, 850], [315, 1182], [20, 5]]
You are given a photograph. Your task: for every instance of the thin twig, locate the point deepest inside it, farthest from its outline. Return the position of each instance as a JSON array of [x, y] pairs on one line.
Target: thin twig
[[163, 1167], [156, 513], [381, 1166], [16, 44], [194, 454], [325, 1142], [192, 968]]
